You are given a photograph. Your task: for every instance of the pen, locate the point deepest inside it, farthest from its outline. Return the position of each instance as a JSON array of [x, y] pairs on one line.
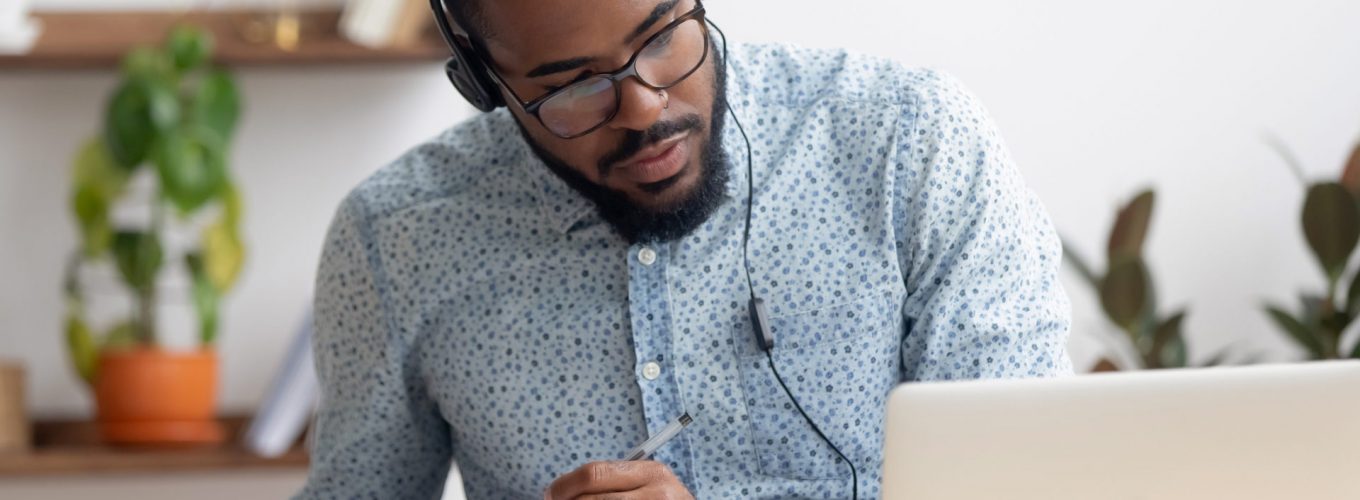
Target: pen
[[654, 443]]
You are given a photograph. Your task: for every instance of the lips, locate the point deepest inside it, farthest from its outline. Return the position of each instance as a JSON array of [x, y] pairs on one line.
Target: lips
[[658, 162]]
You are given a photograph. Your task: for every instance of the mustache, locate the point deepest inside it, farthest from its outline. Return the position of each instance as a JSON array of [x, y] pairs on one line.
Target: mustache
[[636, 140]]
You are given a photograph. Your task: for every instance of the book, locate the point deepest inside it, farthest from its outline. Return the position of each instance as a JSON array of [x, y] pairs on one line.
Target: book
[[288, 406], [385, 23]]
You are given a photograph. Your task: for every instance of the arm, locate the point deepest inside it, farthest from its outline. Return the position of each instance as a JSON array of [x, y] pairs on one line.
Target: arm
[[377, 432], [978, 251]]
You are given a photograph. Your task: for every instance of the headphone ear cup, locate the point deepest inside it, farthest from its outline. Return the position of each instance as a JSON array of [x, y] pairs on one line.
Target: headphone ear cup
[[471, 80]]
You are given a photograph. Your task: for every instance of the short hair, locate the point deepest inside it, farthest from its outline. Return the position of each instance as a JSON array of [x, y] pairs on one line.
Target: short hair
[[469, 16]]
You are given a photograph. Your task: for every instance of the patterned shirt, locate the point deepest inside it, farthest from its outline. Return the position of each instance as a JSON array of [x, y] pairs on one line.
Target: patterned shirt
[[474, 309]]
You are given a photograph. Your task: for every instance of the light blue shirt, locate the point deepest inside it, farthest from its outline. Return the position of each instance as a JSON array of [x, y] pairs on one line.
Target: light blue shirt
[[472, 308]]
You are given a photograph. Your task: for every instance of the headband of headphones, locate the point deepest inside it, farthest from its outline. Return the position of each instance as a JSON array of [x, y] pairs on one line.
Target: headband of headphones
[[466, 69]]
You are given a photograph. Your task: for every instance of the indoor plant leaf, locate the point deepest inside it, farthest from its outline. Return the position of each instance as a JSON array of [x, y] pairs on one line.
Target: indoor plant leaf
[[127, 124], [1131, 227], [1123, 292], [1350, 176], [1104, 365], [145, 62], [189, 46], [223, 255], [80, 345], [1353, 296], [1301, 333], [98, 182], [121, 336], [218, 104], [1078, 263], [1331, 223], [192, 168], [139, 257], [205, 299], [1167, 332]]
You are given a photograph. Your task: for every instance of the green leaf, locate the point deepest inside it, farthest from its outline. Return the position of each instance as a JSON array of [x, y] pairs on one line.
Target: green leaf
[[192, 169], [1219, 358], [223, 255], [146, 62], [1167, 332], [1123, 293], [1331, 223], [1079, 264], [121, 336], [80, 346], [1353, 296], [1131, 227], [1355, 353], [1175, 354], [189, 46], [218, 104], [1301, 333], [1350, 175], [98, 181], [139, 259], [205, 299], [128, 130]]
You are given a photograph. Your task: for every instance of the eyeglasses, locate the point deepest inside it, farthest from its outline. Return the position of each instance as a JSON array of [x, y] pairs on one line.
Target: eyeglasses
[[664, 60]]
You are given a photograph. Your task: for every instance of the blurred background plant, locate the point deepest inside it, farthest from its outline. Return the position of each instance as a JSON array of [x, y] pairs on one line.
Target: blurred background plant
[[170, 118], [1128, 297], [1331, 226]]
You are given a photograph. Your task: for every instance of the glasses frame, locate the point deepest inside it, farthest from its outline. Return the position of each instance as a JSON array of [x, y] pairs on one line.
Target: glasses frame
[[616, 77]]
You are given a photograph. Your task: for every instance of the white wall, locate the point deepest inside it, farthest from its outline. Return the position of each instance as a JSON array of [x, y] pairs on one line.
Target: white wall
[[1095, 98]]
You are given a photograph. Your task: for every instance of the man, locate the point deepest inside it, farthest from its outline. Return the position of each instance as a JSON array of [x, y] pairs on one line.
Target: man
[[541, 288]]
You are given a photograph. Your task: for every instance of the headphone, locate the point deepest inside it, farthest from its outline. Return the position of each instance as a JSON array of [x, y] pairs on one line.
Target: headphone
[[470, 75], [466, 69]]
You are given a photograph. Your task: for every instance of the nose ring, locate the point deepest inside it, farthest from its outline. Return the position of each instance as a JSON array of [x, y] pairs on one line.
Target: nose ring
[[665, 100]]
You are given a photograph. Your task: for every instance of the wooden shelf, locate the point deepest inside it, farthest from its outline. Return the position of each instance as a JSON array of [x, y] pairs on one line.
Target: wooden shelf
[[94, 40], [73, 448]]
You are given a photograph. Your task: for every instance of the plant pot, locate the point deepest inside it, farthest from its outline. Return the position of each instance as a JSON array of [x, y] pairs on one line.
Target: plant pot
[[153, 397]]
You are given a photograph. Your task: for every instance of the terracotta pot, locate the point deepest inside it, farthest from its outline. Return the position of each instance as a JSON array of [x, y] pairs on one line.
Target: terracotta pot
[[157, 397]]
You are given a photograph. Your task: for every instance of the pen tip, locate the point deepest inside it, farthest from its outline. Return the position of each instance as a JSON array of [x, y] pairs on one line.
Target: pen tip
[[684, 419]]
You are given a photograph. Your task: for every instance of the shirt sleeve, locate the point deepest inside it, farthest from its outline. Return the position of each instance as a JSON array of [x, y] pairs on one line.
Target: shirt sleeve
[[377, 432], [977, 249]]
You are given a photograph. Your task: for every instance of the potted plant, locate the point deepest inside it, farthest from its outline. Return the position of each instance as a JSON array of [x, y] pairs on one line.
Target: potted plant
[[1128, 297], [168, 123], [1331, 226]]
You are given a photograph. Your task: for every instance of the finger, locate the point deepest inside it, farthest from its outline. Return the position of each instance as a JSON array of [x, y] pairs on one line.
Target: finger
[[606, 477]]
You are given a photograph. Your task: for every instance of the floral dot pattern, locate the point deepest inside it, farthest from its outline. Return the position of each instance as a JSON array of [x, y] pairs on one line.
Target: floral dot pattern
[[473, 309]]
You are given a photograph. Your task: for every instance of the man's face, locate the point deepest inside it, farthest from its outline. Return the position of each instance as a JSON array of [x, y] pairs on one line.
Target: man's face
[[651, 157]]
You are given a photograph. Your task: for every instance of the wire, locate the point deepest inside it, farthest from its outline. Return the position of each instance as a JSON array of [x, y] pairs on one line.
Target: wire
[[854, 475], [746, 261]]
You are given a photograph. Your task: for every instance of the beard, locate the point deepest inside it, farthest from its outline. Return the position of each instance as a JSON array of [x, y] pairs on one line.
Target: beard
[[641, 224]]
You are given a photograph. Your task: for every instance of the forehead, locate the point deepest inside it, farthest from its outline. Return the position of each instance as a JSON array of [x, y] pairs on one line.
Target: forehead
[[532, 32]]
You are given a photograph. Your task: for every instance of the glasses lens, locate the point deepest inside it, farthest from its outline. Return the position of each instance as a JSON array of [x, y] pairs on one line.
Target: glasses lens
[[673, 55], [580, 107]]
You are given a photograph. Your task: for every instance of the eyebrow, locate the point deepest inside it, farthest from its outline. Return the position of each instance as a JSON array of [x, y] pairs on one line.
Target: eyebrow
[[578, 62]]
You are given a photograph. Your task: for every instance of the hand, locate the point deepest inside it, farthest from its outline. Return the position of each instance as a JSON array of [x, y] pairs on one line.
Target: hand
[[640, 479]]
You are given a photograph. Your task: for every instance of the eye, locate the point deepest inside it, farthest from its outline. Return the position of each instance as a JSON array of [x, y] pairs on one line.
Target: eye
[[664, 40], [554, 88]]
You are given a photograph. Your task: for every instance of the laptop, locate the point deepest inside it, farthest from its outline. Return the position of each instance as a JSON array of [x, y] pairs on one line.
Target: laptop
[[1248, 433]]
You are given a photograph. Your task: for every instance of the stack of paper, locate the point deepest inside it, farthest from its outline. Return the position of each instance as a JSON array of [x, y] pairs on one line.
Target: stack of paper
[[288, 406]]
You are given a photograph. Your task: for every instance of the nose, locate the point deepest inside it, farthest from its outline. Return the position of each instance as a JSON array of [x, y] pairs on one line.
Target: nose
[[639, 106]]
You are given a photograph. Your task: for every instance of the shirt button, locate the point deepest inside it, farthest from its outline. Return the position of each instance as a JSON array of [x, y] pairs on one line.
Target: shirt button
[[647, 256], [651, 371]]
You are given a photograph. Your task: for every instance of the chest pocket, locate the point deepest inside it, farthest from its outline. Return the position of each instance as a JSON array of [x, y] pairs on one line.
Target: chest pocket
[[839, 362]]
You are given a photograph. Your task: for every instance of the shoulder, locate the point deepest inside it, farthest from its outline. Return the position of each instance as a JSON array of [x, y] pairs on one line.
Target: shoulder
[[455, 164], [782, 73]]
